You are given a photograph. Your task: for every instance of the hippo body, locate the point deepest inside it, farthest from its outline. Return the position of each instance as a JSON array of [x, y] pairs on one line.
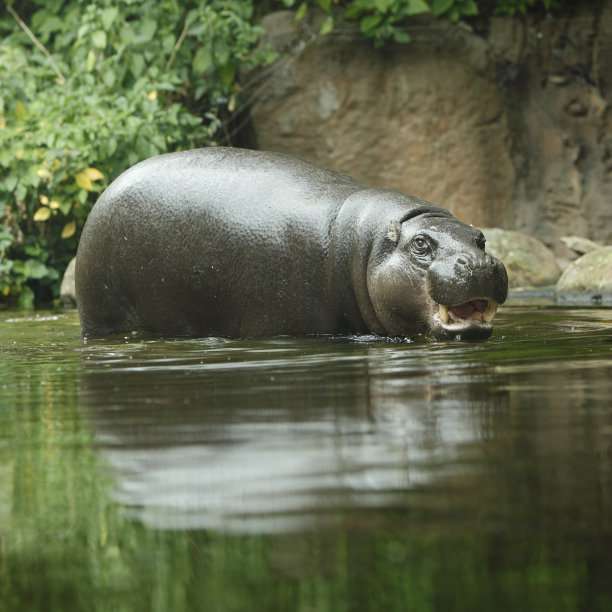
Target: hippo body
[[238, 243]]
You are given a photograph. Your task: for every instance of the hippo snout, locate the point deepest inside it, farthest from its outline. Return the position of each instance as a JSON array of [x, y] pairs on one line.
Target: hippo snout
[[466, 290], [466, 265], [468, 276]]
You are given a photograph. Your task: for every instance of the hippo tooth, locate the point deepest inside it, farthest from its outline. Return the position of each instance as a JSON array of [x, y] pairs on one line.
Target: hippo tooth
[[443, 313], [489, 313]]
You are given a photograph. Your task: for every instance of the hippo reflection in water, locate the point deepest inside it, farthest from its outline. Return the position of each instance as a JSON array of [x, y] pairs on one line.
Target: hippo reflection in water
[[238, 243]]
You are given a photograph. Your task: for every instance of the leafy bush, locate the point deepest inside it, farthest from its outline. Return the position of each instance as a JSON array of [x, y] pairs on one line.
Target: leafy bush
[[94, 89], [384, 20]]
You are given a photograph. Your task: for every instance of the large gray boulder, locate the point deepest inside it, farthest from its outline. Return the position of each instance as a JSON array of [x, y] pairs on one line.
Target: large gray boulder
[[529, 262], [67, 291], [588, 280]]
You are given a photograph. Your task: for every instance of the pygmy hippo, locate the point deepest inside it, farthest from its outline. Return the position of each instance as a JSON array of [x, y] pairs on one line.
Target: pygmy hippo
[[238, 243]]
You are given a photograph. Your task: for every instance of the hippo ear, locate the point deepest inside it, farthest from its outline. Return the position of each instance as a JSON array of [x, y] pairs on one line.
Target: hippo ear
[[393, 233]]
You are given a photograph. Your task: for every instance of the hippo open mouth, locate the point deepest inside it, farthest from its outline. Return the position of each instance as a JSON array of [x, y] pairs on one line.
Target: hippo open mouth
[[469, 320]]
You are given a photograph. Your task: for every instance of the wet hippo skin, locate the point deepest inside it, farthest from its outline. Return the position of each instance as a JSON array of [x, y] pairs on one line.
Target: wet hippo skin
[[238, 243]]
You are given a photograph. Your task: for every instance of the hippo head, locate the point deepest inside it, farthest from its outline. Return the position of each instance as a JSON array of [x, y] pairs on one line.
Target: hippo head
[[430, 274]]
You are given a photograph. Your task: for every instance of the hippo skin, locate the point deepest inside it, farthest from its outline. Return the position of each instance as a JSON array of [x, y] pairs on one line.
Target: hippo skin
[[238, 243]]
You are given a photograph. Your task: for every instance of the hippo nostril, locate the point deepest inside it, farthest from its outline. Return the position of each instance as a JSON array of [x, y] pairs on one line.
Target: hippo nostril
[[462, 267]]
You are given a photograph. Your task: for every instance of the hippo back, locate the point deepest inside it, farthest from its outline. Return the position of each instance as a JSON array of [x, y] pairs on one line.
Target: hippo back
[[212, 241]]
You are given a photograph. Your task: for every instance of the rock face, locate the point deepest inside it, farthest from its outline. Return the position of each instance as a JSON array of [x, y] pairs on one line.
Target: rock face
[[529, 262], [588, 280], [505, 128]]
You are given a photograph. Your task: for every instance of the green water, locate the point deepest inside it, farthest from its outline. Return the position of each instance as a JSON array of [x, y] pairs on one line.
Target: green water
[[307, 474]]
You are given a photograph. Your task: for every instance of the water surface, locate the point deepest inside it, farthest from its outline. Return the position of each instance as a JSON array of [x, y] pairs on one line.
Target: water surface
[[307, 474]]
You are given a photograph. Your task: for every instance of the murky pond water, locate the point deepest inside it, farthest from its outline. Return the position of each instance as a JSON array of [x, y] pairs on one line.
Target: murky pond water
[[307, 474]]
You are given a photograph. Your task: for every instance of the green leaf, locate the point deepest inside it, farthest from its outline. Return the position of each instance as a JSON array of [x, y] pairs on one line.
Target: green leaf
[[147, 30], [10, 182], [454, 15], [469, 7], [108, 16], [222, 51], [383, 5], [33, 268], [228, 72], [327, 26], [439, 7], [22, 191], [202, 60], [416, 7], [127, 35], [301, 12], [369, 23], [98, 38], [6, 238], [399, 36], [137, 65], [49, 25], [109, 78], [26, 298], [90, 64]]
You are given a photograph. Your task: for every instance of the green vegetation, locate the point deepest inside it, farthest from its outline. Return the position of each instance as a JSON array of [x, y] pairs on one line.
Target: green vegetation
[[89, 89], [384, 20]]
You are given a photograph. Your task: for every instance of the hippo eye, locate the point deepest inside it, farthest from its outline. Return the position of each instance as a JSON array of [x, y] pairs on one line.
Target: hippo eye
[[420, 245]]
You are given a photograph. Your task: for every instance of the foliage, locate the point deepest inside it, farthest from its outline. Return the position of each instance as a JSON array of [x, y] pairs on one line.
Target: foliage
[[511, 7], [384, 20], [95, 88]]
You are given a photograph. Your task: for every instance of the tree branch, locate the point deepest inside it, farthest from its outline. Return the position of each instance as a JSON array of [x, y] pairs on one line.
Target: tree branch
[[37, 42], [177, 46]]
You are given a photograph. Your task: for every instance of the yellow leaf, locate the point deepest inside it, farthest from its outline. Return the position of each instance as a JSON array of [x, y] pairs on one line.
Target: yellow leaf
[[90, 64], [54, 204], [83, 181], [43, 173], [19, 154], [44, 199], [152, 95], [93, 174], [42, 214], [20, 110], [2, 123], [69, 229]]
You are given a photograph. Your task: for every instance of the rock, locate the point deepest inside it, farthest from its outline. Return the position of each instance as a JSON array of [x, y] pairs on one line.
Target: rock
[[408, 117], [529, 262], [67, 291], [505, 127], [588, 280], [580, 245]]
